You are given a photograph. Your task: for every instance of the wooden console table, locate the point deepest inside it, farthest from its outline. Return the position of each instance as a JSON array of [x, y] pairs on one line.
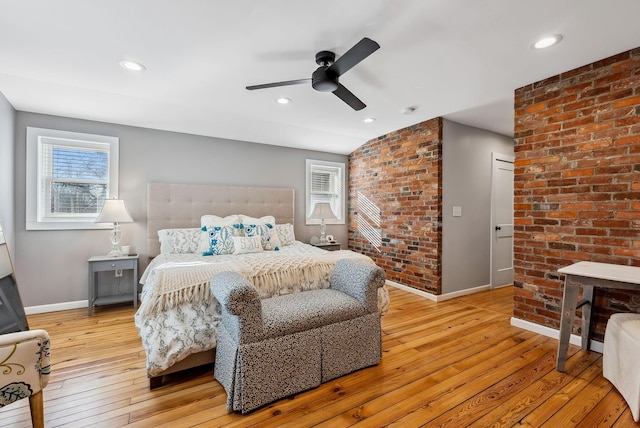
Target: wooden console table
[[588, 275]]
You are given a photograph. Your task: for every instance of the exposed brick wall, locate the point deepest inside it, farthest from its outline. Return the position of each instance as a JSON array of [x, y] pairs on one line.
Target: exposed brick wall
[[577, 184], [401, 174]]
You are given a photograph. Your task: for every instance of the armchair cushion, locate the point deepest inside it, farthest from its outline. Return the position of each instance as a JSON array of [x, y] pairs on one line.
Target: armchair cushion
[[24, 364]]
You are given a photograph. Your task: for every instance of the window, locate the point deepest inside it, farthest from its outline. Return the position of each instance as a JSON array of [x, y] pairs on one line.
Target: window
[[326, 183], [69, 175]]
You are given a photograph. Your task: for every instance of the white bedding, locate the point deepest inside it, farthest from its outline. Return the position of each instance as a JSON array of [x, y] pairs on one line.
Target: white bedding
[[189, 324]]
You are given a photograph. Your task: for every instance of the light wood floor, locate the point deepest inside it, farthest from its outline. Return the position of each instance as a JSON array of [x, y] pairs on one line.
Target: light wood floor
[[456, 363]]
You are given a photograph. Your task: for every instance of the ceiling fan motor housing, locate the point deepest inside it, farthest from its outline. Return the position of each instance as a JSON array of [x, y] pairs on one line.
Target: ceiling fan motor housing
[[321, 80]]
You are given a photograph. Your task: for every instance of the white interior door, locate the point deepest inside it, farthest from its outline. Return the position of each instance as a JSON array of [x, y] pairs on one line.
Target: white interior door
[[502, 220]]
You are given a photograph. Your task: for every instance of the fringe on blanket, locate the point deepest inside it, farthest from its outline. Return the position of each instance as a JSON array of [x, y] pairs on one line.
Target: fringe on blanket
[[268, 283], [273, 283]]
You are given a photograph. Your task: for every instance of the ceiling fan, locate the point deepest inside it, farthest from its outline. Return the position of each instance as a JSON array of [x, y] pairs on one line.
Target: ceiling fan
[[326, 77]]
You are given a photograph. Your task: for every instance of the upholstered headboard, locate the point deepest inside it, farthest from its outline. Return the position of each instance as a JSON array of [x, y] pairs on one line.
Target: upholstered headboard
[[181, 205]]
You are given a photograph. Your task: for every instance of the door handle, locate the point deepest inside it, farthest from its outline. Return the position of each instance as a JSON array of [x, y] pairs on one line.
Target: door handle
[[498, 228]]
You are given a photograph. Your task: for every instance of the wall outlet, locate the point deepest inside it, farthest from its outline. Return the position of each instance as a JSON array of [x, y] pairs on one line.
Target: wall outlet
[[118, 273]]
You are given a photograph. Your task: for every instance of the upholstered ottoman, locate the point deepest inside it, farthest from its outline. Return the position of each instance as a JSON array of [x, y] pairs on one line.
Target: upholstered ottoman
[[272, 348], [621, 358]]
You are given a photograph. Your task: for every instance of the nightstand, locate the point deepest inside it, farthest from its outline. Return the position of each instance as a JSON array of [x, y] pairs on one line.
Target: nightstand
[[329, 246], [106, 263]]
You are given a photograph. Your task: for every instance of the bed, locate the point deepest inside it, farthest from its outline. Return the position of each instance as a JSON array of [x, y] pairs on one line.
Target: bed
[[178, 317]]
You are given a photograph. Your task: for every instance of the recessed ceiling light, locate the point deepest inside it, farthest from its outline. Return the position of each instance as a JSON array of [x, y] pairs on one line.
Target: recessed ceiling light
[[547, 41], [369, 120], [283, 100], [132, 65]]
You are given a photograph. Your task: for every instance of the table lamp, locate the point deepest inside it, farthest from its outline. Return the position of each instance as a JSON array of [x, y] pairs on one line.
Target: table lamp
[[322, 211], [114, 211]]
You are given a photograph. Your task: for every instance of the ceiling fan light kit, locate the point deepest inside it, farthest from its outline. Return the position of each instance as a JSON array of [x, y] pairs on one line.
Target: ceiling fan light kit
[[326, 77]]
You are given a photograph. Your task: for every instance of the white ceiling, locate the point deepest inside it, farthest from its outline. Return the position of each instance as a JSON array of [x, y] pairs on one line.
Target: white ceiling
[[461, 59]]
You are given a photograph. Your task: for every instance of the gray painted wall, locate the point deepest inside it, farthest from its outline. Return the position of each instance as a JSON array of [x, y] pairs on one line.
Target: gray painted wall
[[51, 265], [7, 154], [466, 182]]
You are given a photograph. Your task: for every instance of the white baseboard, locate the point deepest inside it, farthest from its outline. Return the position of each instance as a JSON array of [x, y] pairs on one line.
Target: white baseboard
[[574, 339], [55, 307], [439, 297]]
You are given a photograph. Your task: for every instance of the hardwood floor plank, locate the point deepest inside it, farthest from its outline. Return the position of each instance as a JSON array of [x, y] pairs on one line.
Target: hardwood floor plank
[[577, 408], [536, 394], [575, 388], [508, 385], [453, 363], [450, 391], [606, 411]]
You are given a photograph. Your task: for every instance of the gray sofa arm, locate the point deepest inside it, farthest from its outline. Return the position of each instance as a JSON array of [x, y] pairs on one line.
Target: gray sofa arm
[[360, 280], [240, 306]]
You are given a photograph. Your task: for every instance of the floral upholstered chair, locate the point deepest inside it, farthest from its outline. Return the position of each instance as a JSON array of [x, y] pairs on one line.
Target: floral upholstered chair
[[24, 370]]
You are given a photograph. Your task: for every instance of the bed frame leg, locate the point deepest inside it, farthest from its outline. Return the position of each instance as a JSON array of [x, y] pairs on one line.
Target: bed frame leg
[[155, 382]]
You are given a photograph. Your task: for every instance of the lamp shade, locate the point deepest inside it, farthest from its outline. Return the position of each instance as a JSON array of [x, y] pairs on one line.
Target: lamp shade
[[114, 211], [322, 211]]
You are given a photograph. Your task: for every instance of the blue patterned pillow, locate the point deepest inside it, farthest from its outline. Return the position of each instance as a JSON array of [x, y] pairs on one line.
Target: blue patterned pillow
[[220, 239], [262, 230]]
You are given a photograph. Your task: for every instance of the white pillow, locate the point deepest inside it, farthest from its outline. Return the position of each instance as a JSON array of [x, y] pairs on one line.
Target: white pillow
[[209, 221], [179, 241], [245, 245], [268, 219], [286, 234]]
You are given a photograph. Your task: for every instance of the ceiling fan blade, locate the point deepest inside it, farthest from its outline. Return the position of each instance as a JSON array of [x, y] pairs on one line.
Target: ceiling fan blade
[[345, 95], [276, 84], [357, 53]]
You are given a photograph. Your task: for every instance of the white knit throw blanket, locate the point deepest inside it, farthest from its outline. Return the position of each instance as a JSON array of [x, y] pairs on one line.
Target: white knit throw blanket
[[179, 283]]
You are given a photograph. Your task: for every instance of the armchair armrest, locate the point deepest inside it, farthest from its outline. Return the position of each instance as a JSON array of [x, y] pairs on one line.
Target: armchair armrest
[[359, 280], [25, 361], [240, 306]]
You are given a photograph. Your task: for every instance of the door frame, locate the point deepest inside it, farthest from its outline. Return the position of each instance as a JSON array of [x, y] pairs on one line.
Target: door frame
[[495, 157]]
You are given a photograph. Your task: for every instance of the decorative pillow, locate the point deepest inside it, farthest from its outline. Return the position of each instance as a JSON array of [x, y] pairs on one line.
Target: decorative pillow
[[261, 230], [220, 240], [179, 241], [274, 238], [244, 244], [286, 234], [268, 219], [208, 220]]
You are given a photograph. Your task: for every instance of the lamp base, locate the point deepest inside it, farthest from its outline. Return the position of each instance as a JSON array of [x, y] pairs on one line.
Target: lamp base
[[114, 236], [323, 232], [115, 252]]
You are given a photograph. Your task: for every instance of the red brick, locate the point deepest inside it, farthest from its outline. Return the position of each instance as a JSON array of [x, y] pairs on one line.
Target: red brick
[[632, 101], [596, 150]]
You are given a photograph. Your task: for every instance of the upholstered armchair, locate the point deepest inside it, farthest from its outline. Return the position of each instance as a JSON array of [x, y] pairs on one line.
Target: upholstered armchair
[[272, 348], [24, 370]]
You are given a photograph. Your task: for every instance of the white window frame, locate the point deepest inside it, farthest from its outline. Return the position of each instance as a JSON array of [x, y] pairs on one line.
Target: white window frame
[[340, 170], [36, 219]]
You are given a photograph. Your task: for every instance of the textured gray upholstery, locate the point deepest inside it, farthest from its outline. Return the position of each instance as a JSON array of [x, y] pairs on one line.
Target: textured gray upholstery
[[270, 349]]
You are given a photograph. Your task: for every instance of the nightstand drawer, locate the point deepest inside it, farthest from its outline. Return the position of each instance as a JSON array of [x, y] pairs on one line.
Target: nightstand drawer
[[113, 265]]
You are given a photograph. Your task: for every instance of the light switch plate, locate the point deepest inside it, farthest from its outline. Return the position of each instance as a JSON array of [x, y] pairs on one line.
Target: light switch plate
[[457, 211]]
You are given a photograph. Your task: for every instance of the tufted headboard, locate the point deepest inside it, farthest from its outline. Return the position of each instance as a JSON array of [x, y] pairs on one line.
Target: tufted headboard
[[181, 205]]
